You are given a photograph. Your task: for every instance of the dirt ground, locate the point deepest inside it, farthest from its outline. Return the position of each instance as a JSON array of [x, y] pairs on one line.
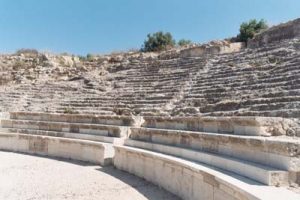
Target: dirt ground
[[26, 177]]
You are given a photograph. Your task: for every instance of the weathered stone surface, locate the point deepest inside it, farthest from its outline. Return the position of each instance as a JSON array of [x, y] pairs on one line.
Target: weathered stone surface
[[74, 118], [260, 126], [215, 47]]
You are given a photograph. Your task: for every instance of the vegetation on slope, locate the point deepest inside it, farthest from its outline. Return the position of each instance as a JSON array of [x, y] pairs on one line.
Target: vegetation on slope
[[250, 28]]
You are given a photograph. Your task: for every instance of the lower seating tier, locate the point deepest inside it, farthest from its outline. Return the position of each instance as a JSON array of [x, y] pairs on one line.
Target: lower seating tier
[[260, 173], [91, 137], [73, 118], [88, 151], [277, 152], [192, 180], [95, 129]]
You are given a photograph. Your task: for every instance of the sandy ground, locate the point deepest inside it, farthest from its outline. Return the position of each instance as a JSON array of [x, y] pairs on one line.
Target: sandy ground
[[25, 177]]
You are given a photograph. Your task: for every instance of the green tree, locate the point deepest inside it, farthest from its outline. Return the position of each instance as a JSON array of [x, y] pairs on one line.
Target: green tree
[[249, 29], [89, 57], [184, 42], [158, 41]]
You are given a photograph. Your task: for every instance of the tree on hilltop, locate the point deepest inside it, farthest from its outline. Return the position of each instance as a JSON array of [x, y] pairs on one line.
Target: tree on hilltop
[[184, 42], [158, 41], [250, 28]]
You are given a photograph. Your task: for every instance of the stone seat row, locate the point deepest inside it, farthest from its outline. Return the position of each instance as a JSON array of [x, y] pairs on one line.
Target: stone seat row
[[252, 105], [232, 83], [261, 91], [261, 79], [75, 149], [287, 113], [287, 85]]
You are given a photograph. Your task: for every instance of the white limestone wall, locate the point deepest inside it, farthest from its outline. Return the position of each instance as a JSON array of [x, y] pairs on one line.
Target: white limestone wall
[[192, 181], [262, 174], [179, 178], [94, 152]]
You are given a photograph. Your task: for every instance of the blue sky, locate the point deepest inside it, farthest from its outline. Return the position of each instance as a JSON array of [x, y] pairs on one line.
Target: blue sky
[[101, 26]]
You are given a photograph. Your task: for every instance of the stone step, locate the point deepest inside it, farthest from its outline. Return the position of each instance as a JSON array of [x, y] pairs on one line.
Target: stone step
[[97, 138], [240, 69], [237, 91], [158, 97], [108, 107], [92, 129], [258, 77], [88, 112], [276, 106], [119, 103], [242, 86], [133, 101], [235, 72], [258, 126], [245, 100], [234, 105], [286, 113], [74, 118], [254, 171], [146, 107]]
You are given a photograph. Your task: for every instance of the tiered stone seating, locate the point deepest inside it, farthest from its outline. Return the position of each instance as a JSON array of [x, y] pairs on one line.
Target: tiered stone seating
[[145, 88], [253, 82], [194, 157], [81, 137]]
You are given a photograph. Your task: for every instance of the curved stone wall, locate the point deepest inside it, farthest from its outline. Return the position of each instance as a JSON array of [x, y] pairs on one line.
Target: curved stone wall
[[94, 152], [192, 181]]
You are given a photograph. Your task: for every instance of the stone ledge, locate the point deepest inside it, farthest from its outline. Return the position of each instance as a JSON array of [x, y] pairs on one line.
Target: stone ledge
[[255, 126], [96, 129], [193, 181], [97, 138], [88, 151], [74, 118]]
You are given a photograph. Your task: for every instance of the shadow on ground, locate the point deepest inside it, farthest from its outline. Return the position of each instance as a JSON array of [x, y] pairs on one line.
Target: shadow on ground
[[141, 185]]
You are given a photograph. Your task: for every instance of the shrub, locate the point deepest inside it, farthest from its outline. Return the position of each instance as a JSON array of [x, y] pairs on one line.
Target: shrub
[[158, 41], [249, 29], [81, 58], [184, 42], [27, 51], [89, 57]]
